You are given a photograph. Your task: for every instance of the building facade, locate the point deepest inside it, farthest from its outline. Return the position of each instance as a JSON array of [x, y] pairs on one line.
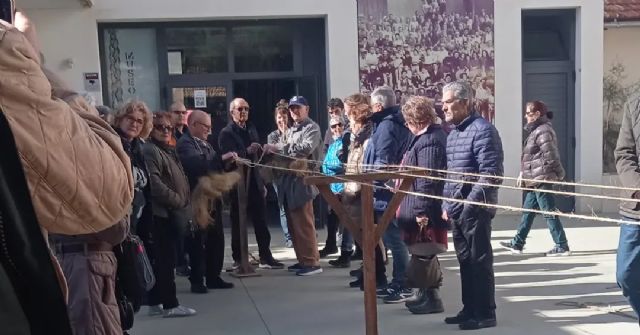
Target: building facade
[[207, 52]]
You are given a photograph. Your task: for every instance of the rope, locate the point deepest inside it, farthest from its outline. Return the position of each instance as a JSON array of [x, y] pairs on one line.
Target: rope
[[462, 201], [478, 175]]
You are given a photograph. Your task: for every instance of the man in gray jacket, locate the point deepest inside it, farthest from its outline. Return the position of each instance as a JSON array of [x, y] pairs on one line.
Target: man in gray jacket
[[627, 153], [304, 141]]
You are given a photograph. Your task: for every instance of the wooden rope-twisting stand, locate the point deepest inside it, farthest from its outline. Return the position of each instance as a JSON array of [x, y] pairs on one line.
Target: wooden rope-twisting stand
[[368, 233], [245, 269]]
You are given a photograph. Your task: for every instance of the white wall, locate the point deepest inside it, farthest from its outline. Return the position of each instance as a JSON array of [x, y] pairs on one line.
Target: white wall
[[72, 33], [589, 60]]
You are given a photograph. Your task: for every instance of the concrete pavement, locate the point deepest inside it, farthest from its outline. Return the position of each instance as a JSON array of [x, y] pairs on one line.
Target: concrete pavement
[[535, 294]]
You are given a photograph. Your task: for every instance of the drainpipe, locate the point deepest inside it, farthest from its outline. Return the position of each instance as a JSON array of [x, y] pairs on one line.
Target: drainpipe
[[623, 24]]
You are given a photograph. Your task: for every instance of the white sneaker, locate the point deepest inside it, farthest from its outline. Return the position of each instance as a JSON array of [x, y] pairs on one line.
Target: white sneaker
[[155, 310], [179, 312]]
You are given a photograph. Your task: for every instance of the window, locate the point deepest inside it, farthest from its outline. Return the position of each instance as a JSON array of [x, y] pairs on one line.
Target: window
[[197, 50], [263, 49], [131, 66]]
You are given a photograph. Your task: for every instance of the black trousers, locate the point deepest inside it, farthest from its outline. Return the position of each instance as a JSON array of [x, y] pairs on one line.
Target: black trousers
[[256, 212], [332, 230], [206, 253], [162, 251], [472, 241]]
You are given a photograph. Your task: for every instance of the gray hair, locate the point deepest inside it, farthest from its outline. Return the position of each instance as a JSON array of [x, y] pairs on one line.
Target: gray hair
[[383, 95], [461, 90]]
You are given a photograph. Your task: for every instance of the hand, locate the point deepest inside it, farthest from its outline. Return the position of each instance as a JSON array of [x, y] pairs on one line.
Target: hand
[[445, 216], [254, 148], [519, 182], [422, 220], [270, 148], [28, 28], [230, 156]]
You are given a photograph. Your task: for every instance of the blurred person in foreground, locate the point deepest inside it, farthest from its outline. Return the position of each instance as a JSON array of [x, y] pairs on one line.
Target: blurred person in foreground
[[627, 155], [78, 174]]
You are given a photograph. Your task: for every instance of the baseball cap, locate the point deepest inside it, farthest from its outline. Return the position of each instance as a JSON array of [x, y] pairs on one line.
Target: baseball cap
[[298, 100]]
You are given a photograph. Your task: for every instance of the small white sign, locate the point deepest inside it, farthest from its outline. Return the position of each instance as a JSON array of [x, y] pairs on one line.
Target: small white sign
[[91, 81], [200, 98]]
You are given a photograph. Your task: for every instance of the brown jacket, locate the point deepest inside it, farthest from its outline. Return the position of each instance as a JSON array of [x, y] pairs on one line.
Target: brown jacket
[[169, 184], [78, 173], [540, 155]]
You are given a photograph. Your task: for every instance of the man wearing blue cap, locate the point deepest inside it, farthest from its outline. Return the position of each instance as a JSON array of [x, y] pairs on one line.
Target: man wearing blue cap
[[304, 141]]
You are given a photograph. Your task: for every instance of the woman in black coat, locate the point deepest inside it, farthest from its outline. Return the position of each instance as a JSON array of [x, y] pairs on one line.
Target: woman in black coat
[[424, 230]]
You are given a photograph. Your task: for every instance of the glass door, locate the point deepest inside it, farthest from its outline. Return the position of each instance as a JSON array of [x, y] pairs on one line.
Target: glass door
[[212, 99]]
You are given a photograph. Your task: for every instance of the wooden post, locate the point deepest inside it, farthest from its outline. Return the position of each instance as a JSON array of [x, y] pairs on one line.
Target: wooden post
[[245, 269], [368, 254]]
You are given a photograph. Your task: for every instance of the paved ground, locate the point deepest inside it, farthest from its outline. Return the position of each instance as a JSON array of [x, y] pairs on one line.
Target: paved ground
[[535, 294]]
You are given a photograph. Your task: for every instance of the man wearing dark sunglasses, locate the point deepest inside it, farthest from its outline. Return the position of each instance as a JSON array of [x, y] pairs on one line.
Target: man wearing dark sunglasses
[[241, 136], [179, 117]]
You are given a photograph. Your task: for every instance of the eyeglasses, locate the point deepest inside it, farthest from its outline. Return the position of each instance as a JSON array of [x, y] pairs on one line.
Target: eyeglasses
[[134, 120], [206, 126], [336, 125], [243, 109], [529, 113], [180, 112], [163, 128]]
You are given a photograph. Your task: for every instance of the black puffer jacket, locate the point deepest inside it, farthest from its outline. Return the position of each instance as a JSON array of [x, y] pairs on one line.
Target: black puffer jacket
[[540, 155]]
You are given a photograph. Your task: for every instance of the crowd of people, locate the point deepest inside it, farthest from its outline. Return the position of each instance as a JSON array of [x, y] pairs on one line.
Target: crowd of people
[[137, 174], [420, 54]]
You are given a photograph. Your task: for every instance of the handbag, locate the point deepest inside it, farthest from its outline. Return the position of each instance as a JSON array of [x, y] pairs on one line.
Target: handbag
[[135, 274]]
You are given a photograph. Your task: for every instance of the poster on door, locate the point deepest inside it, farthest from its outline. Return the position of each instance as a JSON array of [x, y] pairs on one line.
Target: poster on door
[[200, 98]]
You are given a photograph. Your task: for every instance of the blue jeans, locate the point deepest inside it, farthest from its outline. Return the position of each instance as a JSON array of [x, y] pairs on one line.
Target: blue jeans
[[628, 264], [283, 219], [347, 241], [543, 201], [393, 240]]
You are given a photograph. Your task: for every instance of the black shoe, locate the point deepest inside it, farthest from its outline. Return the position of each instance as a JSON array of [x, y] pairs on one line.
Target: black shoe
[[344, 261], [418, 298], [218, 283], [199, 289], [295, 267], [356, 272], [458, 319], [473, 324], [326, 251], [356, 283], [432, 303], [514, 248], [270, 263]]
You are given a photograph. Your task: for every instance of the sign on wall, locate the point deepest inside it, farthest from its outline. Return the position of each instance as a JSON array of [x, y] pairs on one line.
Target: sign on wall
[[132, 66], [417, 46], [91, 81]]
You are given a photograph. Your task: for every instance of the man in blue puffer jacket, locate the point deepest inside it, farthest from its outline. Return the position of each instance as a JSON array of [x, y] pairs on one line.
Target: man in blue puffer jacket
[[388, 143], [473, 146]]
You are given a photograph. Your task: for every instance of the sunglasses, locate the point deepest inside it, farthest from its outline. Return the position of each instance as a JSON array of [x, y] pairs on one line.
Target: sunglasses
[[180, 112], [336, 125], [162, 128], [243, 109]]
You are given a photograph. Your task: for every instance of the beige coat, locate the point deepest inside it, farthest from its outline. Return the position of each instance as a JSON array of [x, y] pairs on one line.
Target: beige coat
[[78, 173]]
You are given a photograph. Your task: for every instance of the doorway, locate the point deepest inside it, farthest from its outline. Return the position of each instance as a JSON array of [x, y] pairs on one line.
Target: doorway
[[548, 49], [263, 95]]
